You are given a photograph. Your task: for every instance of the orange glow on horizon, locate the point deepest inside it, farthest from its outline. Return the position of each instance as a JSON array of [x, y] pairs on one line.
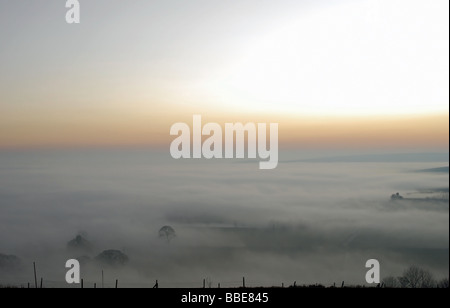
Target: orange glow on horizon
[[152, 129]]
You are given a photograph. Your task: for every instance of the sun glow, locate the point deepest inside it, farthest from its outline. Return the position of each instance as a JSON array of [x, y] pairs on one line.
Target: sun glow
[[348, 59]]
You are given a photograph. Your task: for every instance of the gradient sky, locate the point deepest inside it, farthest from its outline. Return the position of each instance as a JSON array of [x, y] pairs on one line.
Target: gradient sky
[[361, 73]]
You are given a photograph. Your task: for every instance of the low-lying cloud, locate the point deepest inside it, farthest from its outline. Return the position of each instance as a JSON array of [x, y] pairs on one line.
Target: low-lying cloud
[[310, 222]]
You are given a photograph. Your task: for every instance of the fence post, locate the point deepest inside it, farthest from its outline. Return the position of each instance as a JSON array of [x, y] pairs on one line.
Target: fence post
[[35, 277]]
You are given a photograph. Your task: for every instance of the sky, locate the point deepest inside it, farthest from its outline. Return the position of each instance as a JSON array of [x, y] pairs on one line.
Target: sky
[[361, 74]]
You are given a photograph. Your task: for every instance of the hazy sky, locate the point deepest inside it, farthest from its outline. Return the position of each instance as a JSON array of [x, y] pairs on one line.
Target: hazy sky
[[370, 73]]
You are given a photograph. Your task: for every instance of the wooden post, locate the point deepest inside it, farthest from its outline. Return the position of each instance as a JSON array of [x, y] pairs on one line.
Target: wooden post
[[282, 285], [35, 277], [95, 285], [343, 283], [103, 280], [82, 283], [243, 282], [218, 286], [42, 280], [117, 283], [204, 283], [28, 285]]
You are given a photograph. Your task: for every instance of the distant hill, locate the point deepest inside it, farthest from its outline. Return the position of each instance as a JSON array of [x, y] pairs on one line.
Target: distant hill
[[436, 170], [381, 158]]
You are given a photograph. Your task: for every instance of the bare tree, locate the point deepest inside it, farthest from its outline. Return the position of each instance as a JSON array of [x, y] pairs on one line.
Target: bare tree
[[443, 284], [391, 282], [415, 277], [167, 232]]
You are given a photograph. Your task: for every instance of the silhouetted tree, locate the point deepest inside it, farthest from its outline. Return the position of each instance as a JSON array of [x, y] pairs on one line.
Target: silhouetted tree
[[391, 282], [443, 284], [114, 258], [167, 232], [415, 277], [79, 244], [396, 196]]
